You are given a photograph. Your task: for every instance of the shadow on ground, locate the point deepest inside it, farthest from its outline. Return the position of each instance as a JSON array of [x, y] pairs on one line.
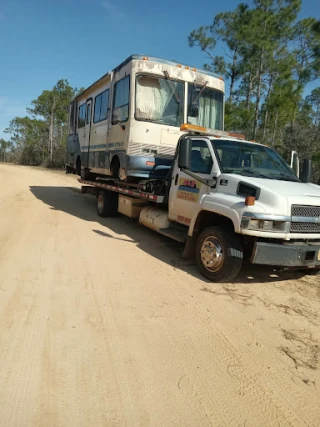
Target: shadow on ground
[[71, 201]]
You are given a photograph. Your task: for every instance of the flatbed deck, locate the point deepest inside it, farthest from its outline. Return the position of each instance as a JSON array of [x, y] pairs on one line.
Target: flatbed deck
[[122, 189]]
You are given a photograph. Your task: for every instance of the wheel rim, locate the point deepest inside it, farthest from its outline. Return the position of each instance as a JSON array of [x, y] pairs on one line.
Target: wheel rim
[[100, 203], [212, 255]]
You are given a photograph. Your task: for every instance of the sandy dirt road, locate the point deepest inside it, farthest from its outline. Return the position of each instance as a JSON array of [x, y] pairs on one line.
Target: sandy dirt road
[[101, 324]]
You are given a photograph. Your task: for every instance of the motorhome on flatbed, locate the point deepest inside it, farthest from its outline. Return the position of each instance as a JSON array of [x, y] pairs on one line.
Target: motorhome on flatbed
[[127, 123]]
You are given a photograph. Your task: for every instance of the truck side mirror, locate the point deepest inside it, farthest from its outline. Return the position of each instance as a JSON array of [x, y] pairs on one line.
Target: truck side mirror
[[306, 173], [295, 163], [194, 110], [184, 158]]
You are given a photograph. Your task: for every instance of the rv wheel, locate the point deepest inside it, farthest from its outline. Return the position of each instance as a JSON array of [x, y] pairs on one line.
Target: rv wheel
[[85, 174], [78, 166], [115, 167]]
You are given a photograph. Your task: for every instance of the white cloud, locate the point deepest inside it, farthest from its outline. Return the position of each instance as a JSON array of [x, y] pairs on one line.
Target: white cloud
[[112, 10]]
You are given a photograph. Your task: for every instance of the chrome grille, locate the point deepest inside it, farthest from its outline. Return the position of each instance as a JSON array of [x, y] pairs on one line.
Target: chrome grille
[[307, 211], [303, 211], [136, 149], [304, 227]]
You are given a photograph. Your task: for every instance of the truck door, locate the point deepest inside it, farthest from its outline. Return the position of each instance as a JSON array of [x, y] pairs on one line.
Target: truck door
[[186, 191], [87, 129]]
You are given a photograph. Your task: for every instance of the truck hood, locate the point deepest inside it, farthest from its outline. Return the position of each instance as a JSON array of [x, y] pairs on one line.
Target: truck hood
[[287, 188], [276, 197]]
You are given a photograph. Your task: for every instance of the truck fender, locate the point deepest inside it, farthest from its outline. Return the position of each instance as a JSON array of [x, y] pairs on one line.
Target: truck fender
[[221, 210]]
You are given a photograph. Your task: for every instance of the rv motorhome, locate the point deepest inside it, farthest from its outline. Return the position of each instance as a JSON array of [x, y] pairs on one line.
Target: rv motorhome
[[126, 125]]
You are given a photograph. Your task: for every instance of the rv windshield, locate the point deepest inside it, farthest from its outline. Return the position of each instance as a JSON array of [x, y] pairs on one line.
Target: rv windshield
[[253, 160], [159, 100], [210, 107]]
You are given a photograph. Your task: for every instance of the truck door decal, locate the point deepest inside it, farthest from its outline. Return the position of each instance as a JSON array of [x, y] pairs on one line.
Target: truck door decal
[[188, 190]]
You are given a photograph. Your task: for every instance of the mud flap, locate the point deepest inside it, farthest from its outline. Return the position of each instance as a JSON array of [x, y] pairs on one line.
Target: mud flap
[[189, 248]]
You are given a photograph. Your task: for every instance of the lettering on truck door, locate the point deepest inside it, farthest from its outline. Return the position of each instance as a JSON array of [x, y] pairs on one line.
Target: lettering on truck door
[[186, 191]]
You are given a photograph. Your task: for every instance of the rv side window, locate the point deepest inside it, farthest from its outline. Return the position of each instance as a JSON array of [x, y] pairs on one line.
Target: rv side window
[[82, 116], [121, 101], [101, 106], [97, 107], [209, 106], [88, 113]]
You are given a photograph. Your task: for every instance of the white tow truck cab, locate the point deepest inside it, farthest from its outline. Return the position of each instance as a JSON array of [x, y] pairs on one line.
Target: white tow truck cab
[[228, 199]]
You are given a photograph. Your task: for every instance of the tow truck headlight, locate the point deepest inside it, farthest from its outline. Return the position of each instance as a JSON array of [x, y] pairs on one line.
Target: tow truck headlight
[[257, 224], [272, 226]]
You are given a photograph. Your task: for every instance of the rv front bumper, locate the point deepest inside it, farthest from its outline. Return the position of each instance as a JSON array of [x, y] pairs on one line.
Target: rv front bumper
[[148, 166], [287, 254]]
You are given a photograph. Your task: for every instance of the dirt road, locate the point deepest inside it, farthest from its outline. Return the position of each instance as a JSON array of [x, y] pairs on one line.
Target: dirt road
[[101, 324]]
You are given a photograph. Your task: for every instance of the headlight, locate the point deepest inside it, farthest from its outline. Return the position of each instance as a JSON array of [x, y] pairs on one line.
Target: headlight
[[271, 225]]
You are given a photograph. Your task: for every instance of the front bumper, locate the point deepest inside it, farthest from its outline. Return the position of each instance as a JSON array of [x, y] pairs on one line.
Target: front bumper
[[286, 255], [148, 167]]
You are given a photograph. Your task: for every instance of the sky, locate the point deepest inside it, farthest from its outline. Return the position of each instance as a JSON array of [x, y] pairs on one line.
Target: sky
[[42, 41]]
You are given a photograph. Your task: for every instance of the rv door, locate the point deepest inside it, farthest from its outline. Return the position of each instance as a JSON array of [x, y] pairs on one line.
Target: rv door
[[88, 129]]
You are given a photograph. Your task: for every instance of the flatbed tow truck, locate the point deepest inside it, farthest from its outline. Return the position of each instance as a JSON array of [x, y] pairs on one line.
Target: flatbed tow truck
[[228, 200]]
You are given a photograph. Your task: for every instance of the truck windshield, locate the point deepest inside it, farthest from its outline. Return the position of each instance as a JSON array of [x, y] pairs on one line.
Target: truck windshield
[[253, 160], [159, 100], [210, 107]]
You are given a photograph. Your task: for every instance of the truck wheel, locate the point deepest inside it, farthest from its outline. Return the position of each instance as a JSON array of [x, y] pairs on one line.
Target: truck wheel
[[107, 203], [219, 254]]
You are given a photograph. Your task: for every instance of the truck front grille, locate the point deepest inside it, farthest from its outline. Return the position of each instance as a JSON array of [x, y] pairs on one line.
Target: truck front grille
[[304, 227], [305, 212]]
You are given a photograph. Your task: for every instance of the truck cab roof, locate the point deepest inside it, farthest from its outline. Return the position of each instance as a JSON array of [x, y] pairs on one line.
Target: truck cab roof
[[215, 134]]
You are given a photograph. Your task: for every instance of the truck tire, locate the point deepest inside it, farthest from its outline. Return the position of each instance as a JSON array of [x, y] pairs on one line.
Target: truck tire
[[107, 203], [219, 254]]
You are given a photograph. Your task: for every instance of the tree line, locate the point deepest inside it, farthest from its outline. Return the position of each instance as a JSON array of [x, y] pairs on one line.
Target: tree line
[[269, 59], [40, 137]]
